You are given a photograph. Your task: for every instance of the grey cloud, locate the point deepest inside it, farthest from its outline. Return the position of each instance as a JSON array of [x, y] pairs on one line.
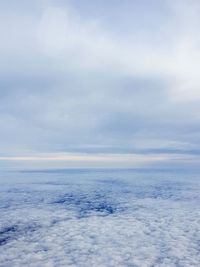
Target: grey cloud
[[103, 92]]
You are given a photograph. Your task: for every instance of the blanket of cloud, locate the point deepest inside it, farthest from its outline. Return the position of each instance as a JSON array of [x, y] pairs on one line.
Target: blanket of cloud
[[71, 67], [99, 218]]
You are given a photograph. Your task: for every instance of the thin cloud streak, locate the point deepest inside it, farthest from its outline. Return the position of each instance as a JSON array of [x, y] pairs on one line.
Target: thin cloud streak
[[99, 157]]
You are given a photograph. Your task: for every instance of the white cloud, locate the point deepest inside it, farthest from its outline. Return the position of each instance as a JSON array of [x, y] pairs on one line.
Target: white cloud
[[53, 31], [85, 44], [99, 219]]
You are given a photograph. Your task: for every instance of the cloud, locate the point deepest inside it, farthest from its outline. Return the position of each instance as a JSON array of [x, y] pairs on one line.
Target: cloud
[[72, 79], [99, 218]]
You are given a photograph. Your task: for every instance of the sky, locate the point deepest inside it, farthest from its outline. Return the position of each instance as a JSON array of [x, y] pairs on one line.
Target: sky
[[99, 83]]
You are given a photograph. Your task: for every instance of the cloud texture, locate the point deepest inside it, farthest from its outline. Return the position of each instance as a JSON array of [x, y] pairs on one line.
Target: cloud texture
[[99, 218], [109, 77]]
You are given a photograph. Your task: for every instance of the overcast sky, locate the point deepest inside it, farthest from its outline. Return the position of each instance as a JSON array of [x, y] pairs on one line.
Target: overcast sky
[[84, 78]]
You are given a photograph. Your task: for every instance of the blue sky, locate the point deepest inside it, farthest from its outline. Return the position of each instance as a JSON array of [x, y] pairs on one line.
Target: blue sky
[[96, 80]]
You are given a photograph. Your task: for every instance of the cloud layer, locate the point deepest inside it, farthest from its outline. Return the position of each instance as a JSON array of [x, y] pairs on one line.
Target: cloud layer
[[99, 218], [76, 78]]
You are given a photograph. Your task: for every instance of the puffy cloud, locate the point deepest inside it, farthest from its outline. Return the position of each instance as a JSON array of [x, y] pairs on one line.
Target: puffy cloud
[[89, 218]]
